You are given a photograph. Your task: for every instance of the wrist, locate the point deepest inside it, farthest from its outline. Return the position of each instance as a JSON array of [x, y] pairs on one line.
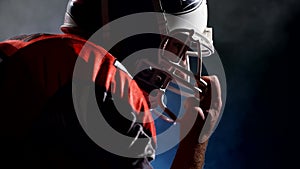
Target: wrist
[[190, 130], [190, 155]]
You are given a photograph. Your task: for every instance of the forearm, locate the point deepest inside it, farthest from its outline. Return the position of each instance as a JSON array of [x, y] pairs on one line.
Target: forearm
[[197, 125], [190, 155]]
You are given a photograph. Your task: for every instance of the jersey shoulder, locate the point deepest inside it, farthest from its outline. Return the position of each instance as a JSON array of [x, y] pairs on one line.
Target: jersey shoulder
[[59, 41], [50, 59]]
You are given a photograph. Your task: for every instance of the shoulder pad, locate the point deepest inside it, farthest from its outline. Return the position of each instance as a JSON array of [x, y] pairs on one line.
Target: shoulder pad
[[26, 38], [12, 45]]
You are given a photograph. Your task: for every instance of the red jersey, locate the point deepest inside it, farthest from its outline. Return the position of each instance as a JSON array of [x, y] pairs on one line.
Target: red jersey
[[35, 68]]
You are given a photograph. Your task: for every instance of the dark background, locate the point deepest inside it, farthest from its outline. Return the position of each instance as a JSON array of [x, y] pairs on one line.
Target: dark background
[[255, 40]]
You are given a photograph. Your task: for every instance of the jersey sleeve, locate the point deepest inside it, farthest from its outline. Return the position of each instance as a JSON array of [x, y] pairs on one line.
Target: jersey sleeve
[[129, 103], [40, 73], [120, 100]]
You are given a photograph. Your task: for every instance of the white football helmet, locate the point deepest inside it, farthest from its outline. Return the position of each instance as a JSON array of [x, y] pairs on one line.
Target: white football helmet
[[180, 55]]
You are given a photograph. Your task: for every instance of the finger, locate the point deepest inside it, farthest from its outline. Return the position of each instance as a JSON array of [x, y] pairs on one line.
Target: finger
[[200, 112], [191, 102], [214, 84], [212, 98]]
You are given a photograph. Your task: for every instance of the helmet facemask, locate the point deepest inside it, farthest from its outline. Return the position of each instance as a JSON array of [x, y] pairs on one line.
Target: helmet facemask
[[179, 57], [182, 53]]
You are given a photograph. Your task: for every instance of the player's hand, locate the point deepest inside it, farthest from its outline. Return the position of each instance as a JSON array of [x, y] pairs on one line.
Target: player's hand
[[201, 115]]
